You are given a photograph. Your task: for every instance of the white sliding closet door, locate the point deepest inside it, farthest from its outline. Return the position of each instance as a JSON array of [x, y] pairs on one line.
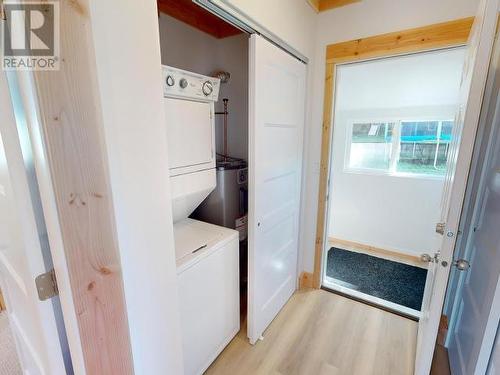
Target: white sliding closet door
[[276, 123]]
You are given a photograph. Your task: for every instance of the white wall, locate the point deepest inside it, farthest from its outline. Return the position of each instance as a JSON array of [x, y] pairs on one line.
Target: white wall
[[185, 47], [129, 81], [294, 21], [366, 18], [391, 212]]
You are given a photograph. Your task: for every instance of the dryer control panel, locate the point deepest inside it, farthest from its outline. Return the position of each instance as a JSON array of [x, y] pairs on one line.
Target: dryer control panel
[[180, 83]]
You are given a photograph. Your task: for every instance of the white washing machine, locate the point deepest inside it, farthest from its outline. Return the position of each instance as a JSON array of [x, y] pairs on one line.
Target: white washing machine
[[208, 282], [207, 255]]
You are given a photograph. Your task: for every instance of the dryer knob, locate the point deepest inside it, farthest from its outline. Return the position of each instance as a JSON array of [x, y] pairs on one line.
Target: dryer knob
[[170, 80], [207, 88]]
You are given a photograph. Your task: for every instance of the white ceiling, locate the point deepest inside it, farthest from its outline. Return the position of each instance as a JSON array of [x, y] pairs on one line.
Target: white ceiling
[[422, 79]]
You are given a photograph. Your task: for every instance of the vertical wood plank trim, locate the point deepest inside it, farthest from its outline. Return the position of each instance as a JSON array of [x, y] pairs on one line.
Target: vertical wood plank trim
[[72, 123], [442, 35], [324, 171]]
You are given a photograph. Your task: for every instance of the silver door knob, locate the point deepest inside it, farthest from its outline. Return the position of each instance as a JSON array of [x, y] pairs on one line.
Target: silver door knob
[[462, 264]]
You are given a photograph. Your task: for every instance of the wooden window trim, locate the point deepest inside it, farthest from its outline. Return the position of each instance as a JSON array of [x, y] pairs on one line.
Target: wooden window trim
[[437, 36]]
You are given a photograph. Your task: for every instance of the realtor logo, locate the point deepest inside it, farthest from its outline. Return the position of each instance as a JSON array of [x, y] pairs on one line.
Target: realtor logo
[[30, 35]]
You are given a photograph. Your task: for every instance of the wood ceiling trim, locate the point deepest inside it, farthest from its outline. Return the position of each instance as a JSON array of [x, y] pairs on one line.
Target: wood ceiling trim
[[330, 4], [188, 12], [314, 4], [322, 5]]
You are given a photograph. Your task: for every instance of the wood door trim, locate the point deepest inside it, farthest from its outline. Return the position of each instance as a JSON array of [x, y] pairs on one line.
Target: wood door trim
[[72, 125], [442, 35], [305, 280]]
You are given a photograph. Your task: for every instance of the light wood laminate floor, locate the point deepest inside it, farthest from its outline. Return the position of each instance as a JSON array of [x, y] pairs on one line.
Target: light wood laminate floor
[[322, 333]]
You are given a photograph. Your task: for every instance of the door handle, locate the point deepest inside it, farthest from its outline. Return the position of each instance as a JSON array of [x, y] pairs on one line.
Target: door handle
[[462, 264]]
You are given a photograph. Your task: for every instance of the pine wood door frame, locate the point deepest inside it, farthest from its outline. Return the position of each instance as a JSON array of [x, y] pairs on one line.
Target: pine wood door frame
[[70, 120], [437, 36]]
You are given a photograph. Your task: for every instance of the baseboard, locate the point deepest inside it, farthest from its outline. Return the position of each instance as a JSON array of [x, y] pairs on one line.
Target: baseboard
[[306, 280], [382, 253]]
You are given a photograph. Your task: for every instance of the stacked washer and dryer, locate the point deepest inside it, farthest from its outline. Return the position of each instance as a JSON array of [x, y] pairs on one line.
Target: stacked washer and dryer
[[207, 255]]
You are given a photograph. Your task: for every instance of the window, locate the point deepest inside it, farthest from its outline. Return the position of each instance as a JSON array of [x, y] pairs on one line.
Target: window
[[371, 146], [424, 147], [400, 147]]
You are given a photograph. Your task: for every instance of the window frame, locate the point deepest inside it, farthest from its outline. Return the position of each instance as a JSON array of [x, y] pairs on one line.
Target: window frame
[[396, 142]]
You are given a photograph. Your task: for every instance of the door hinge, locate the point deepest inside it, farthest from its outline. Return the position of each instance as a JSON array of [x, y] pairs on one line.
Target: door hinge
[[440, 227], [46, 285], [426, 258]]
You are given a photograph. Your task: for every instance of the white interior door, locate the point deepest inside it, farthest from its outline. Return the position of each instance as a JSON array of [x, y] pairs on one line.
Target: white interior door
[[472, 88], [23, 254], [477, 303], [277, 101]]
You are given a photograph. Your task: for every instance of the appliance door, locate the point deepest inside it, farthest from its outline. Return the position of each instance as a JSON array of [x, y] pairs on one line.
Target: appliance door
[[190, 133], [209, 306]]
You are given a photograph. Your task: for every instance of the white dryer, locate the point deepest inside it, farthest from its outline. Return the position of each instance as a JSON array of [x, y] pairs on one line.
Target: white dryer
[[189, 106], [207, 255]]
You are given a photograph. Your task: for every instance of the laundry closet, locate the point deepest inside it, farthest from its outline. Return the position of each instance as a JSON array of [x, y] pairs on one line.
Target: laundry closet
[[205, 75], [235, 188]]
